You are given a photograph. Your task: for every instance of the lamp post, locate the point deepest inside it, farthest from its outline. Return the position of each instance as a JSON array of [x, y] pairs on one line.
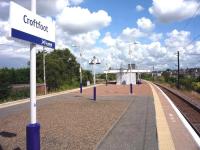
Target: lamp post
[[131, 85], [106, 74], [130, 54], [93, 62], [80, 70], [106, 65]]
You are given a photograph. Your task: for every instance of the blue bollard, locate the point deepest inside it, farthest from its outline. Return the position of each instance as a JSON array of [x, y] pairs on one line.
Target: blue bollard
[[33, 136], [94, 93], [81, 87], [131, 88]]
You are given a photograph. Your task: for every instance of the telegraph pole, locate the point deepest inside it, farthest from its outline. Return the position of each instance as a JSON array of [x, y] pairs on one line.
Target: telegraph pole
[[153, 73], [178, 73]]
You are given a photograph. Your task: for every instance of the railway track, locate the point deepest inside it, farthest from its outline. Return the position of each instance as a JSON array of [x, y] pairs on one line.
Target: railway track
[[187, 106]]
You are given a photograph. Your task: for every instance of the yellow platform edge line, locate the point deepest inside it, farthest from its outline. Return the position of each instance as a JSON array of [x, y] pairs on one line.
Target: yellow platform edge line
[[165, 141]]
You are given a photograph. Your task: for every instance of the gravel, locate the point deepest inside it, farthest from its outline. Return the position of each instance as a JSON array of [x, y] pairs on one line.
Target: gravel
[[70, 124]]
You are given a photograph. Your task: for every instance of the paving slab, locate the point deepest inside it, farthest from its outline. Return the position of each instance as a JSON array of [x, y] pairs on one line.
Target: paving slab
[[136, 130]]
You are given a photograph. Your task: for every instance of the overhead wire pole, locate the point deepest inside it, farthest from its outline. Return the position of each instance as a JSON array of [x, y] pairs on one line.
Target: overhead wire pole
[[153, 72], [33, 129], [178, 71]]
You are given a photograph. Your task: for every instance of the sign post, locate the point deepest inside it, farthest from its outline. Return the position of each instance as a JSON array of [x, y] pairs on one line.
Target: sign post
[[27, 26], [33, 129]]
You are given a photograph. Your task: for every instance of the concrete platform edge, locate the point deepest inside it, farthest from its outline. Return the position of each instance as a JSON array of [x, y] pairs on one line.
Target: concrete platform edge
[[165, 141], [182, 118]]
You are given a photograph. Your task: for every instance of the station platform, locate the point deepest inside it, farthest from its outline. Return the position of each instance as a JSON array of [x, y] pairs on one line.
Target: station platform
[[149, 123], [117, 120]]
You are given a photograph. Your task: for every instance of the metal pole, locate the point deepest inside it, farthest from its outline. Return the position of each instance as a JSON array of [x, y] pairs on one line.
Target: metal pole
[[131, 86], [44, 72], [106, 78], [178, 84], [153, 73], [94, 80], [106, 74], [33, 83], [81, 84], [33, 129]]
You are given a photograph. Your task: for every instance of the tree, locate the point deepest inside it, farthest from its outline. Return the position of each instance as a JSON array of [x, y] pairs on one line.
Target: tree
[[87, 76], [61, 69], [5, 87]]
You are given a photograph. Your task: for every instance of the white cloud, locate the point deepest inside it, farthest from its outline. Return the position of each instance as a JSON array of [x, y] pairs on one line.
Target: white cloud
[[173, 10], [145, 24], [44, 8], [75, 20], [156, 37], [82, 27], [108, 40], [177, 39], [85, 40], [156, 50], [131, 34], [139, 8], [161, 54]]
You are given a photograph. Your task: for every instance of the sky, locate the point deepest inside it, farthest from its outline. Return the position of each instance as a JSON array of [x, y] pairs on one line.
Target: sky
[[148, 33]]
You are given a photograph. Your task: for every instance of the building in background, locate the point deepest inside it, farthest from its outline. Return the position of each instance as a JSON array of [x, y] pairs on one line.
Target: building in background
[[126, 76]]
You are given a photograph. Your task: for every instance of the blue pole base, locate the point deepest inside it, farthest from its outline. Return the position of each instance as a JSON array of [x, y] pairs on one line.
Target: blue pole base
[[33, 136], [81, 88], [94, 92], [131, 88]]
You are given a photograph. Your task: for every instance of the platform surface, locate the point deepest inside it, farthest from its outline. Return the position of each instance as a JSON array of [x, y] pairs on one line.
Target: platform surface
[[136, 130], [117, 120]]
